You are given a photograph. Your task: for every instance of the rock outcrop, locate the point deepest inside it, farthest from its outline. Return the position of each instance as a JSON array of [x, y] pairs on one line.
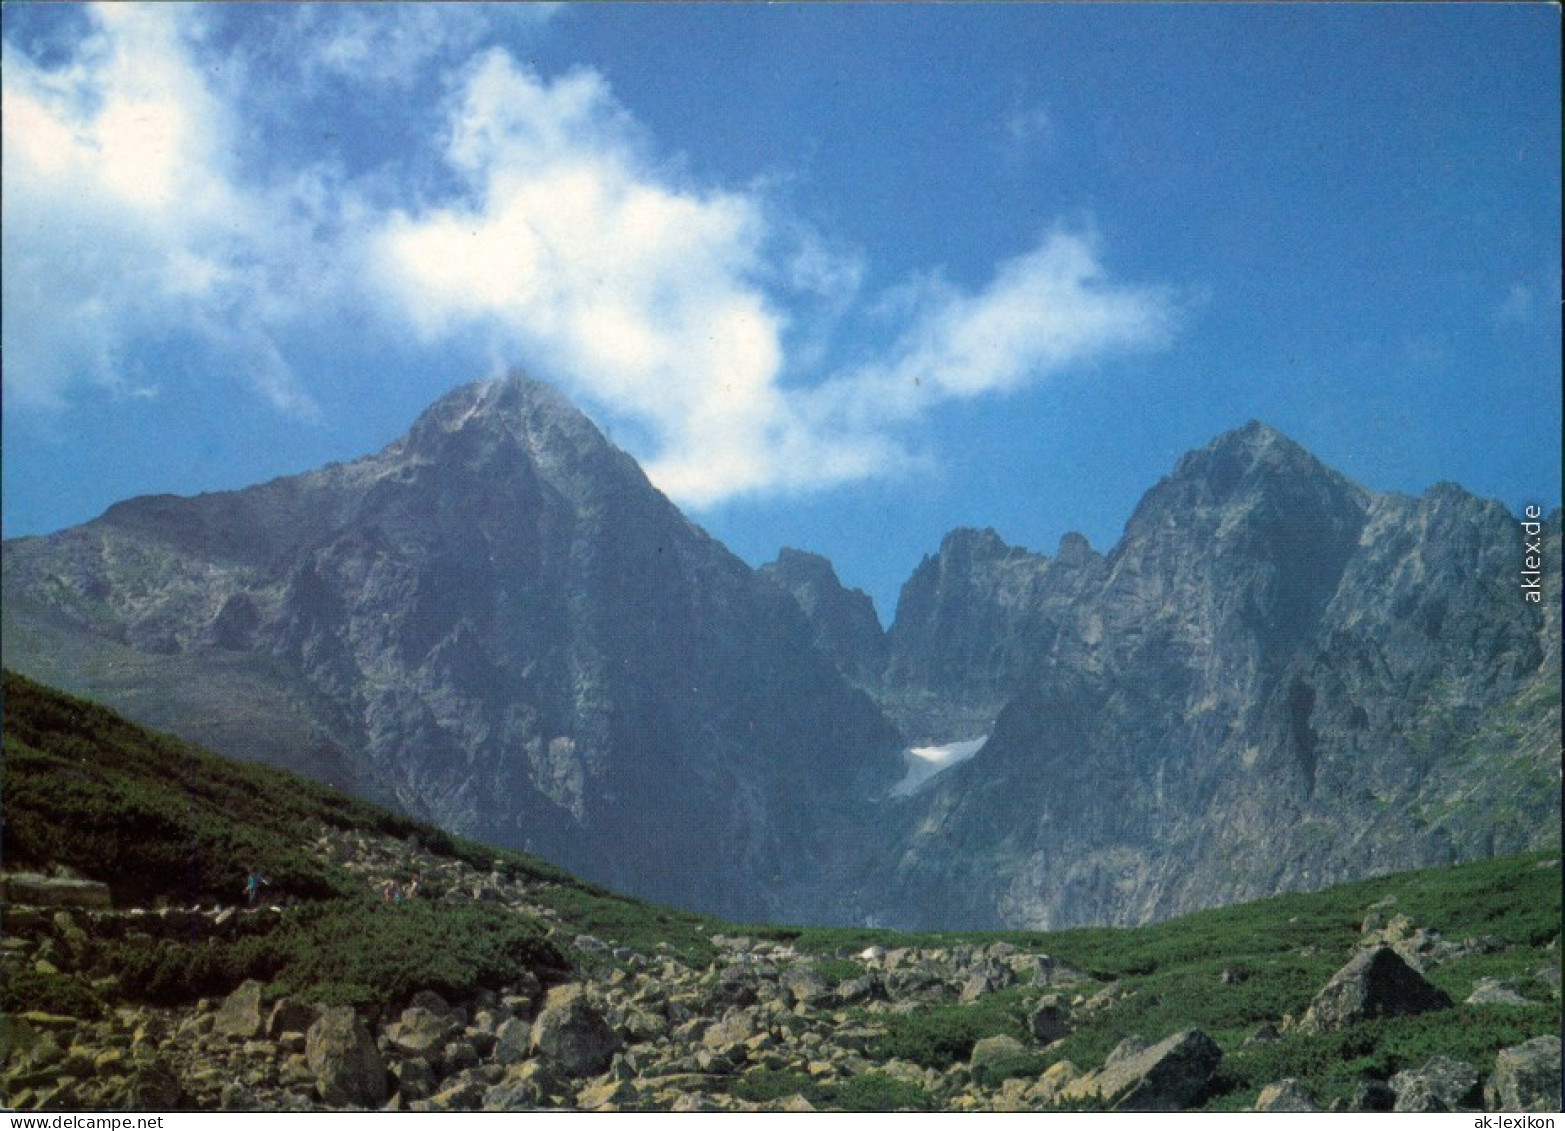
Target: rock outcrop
[[1526, 1077], [1376, 983], [1441, 1084], [1286, 1095], [1166, 1076], [572, 1035], [347, 1066]]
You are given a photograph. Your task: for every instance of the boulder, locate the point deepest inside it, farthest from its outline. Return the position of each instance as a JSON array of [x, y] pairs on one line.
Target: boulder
[[528, 1085], [1049, 1020], [1266, 1034], [241, 1013], [431, 1001], [1443, 1084], [856, 991], [572, 1034], [290, 1015], [605, 1095], [735, 1028], [1526, 1077], [1131, 1046], [1492, 991], [805, 986], [1285, 1095], [511, 1043], [461, 1095], [1054, 1080], [1167, 1076], [992, 1052], [1372, 1095], [914, 985], [1549, 975], [982, 982], [458, 1055], [420, 1032], [1376, 983], [153, 1086], [342, 1055], [415, 1079]]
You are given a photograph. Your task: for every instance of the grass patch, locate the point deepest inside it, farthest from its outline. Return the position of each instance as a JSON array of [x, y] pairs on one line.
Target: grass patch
[[939, 1035], [362, 953]]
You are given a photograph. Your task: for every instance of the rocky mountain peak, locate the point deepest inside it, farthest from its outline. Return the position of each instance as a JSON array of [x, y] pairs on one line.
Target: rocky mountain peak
[[966, 545], [1075, 551], [502, 418], [846, 626], [1239, 466], [803, 567]]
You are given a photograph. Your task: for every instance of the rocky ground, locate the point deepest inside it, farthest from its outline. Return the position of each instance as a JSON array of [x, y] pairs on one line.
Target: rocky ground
[[763, 1026]]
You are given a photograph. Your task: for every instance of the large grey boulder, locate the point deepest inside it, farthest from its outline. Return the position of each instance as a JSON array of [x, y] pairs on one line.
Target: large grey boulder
[[342, 1055], [511, 1043], [992, 1053], [1442, 1084], [572, 1034], [1526, 1077], [1376, 983], [290, 1015], [805, 986], [1492, 991], [1370, 1094], [1049, 1020], [736, 1027], [1167, 1076], [1285, 1095], [241, 1013], [420, 1032]]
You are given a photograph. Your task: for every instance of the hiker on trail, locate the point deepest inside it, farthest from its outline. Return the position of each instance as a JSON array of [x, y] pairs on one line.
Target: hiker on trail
[[413, 886], [391, 893], [253, 884]]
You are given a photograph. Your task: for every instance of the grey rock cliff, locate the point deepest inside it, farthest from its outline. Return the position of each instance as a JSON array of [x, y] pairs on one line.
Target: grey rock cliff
[[496, 622], [846, 627], [1278, 680]]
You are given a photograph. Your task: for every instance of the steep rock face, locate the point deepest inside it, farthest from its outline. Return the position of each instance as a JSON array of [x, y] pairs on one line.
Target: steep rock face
[[971, 622], [1275, 680], [496, 622], [1283, 680], [846, 627]]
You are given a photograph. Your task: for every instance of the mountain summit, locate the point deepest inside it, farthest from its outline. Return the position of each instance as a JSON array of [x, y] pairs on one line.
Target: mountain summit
[[1277, 679], [497, 623]]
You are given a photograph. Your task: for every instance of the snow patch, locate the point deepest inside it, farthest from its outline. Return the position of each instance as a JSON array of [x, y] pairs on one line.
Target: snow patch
[[924, 762]]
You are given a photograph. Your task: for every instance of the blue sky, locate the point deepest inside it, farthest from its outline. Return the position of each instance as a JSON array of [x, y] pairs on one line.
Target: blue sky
[[842, 277]]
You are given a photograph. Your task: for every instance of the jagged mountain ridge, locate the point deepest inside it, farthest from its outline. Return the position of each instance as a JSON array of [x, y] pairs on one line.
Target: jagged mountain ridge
[[1279, 680], [497, 623], [970, 622]]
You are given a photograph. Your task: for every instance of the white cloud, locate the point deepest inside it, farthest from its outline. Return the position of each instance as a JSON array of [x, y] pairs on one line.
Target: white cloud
[[392, 44], [121, 221], [700, 316], [654, 299], [639, 293], [1049, 310]]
